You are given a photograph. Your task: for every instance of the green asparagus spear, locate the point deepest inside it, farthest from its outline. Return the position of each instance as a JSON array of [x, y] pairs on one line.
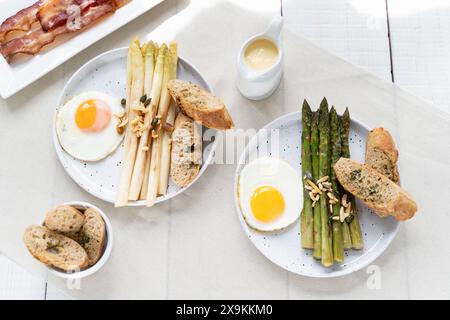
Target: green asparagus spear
[[324, 170], [344, 126], [346, 235], [338, 242], [317, 253], [355, 229], [307, 214]]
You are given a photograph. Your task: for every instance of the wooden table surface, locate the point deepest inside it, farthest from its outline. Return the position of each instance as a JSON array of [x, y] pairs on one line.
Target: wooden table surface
[[405, 41]]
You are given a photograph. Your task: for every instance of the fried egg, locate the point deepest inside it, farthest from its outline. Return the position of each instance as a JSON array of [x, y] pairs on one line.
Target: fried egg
[[86, 126], [270, 194]]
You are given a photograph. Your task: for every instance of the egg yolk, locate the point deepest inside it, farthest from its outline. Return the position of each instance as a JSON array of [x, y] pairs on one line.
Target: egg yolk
[[267, 203], [92, 115]]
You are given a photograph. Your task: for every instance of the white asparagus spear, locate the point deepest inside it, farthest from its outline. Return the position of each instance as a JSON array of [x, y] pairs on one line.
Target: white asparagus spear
[[150, 53], [153, 177], [167, 119], [143, 193], [155, 162], [170, 72], [144, 187], [129, 81], [135, 73], [165, 152], [155, 93]]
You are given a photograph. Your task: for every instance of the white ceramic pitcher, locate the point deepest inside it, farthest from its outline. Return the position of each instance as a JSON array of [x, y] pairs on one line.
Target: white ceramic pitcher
[[260, 84]]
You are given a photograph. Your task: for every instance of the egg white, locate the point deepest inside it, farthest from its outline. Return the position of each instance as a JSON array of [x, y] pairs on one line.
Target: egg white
[[87, 146], [277, 173]]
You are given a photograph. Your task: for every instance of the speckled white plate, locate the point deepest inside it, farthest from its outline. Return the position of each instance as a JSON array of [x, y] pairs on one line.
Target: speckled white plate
[[283, 247], [106, 73]]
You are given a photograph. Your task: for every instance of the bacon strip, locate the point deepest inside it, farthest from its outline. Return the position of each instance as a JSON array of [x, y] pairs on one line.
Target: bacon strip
[[121, 3], [52, 14], [32, 42], [21, 21]]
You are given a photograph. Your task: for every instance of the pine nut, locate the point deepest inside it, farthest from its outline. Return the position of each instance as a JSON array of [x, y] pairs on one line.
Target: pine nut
[[313, 186], [341, 214], [348, 209], [327, 185]]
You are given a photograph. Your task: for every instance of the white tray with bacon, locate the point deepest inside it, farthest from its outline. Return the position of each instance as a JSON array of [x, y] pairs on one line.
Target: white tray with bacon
[[36, 36]]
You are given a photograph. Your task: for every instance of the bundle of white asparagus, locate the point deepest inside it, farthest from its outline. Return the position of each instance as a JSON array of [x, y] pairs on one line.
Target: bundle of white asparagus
[[150, 115]]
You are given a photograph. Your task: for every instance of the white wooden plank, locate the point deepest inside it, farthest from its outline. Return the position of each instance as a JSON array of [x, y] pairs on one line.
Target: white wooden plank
[[420, 36], [17, 283], [355, 30], [53, 293]]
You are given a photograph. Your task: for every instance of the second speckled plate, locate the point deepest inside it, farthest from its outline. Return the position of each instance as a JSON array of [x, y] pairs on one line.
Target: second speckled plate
[[106, 73], [283, 247]]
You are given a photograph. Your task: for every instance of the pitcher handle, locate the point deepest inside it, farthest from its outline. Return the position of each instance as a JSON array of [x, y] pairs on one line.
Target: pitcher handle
[[274, 28]]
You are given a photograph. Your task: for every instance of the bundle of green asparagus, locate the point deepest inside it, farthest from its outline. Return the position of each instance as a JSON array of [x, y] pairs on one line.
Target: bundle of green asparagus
[[329, 221]]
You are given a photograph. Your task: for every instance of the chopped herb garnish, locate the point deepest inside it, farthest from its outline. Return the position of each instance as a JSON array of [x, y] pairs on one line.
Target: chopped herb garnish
[[309, 176], [155, 122], [84, 239], [349, 218], [192, 164], [355, 175], [190, 148], [52, 247]]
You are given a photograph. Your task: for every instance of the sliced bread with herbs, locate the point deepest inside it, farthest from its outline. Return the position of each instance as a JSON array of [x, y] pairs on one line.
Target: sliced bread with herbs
[[92, 236], [200, 105], [64, 219], [54, 249], [186, 154], [377, 191], [382, 154]]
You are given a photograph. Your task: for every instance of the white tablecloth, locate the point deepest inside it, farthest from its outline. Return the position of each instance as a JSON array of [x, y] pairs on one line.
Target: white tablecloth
[[193, 245]]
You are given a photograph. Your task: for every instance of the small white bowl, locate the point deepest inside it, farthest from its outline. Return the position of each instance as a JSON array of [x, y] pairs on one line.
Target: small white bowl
[[107, 247]]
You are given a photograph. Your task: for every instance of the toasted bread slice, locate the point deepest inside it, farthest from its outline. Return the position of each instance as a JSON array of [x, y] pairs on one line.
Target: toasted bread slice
[[64, 219], [186, 154], [73, 235], [93, 234], [374, 189], [200, 105], [381, 153], [54, 249]]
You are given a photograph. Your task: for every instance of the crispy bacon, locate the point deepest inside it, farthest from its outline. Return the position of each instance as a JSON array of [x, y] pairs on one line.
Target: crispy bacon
[[86, 4], [32, 42], [52, 14], [21, 21]]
